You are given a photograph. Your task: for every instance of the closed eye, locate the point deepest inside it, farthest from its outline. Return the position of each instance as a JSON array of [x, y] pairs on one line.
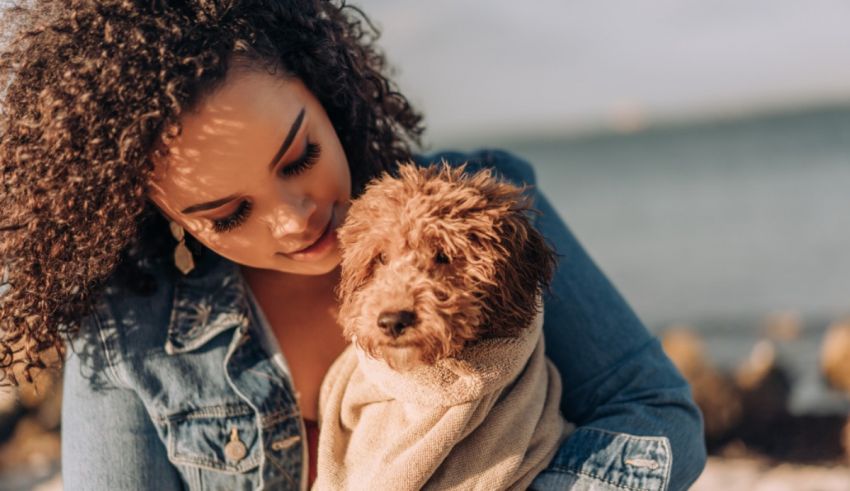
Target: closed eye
[[308, 159], [233, 220]]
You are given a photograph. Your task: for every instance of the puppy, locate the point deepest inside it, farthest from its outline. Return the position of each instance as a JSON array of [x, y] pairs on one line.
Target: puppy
[[446, 384], [434, 260]]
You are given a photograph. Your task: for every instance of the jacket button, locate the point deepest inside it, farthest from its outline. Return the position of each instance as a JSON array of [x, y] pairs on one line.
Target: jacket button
[[235, 450]]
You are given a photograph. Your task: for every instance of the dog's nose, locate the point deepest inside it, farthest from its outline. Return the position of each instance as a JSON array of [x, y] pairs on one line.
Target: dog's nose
[[394, 323]]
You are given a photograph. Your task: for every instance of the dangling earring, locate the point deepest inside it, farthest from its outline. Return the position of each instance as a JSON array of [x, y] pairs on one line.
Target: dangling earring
[[182, 257]]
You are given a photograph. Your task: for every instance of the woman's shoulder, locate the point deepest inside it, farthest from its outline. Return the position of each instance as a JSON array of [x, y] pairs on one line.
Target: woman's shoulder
[[132, 337], [510, 166], [127, 328], [122, 324]]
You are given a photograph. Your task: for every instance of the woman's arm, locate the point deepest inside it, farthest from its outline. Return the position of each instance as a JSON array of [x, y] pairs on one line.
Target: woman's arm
[[108, 439], [618, 383]]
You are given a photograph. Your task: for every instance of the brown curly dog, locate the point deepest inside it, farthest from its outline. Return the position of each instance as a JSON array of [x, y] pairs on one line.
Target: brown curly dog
[[434, 259]]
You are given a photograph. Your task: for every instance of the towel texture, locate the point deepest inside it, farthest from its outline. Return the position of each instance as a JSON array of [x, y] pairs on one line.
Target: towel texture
[[486, 420]]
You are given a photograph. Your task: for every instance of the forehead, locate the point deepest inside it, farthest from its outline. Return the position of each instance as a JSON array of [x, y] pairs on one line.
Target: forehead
[[236, 128]]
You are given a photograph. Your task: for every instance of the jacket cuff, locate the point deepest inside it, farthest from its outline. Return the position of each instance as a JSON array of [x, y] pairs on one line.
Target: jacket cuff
[[597, 459]]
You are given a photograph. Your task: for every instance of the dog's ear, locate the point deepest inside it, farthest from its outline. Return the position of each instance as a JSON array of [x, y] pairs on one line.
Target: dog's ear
[[358, 253], [360, 239], [525, 264]]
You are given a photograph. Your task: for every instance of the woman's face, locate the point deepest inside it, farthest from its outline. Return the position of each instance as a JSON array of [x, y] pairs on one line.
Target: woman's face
[[258, 175]]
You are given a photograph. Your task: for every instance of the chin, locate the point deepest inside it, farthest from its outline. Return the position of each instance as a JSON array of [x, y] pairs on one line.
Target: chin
[[312, 268]]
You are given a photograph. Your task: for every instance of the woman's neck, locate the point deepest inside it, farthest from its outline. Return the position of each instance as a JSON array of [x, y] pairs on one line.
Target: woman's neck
[[294, 285]]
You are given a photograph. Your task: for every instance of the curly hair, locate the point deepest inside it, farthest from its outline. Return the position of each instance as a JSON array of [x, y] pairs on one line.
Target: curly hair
[[92, 88]]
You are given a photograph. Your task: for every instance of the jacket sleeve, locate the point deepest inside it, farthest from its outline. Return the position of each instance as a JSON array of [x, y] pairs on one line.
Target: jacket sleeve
[[638, 425], [108, 439]]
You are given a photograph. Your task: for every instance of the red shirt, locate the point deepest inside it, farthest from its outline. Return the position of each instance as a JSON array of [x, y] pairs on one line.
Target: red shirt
[[312, 447]]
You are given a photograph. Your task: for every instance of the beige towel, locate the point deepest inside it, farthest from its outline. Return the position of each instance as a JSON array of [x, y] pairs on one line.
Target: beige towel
[[485, 421]]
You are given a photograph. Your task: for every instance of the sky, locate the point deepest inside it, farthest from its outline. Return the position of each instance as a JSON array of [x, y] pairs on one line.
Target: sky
[[552, 67]]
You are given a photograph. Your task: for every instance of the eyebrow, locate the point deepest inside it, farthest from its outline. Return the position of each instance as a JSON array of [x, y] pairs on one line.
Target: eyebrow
[[287, 142]]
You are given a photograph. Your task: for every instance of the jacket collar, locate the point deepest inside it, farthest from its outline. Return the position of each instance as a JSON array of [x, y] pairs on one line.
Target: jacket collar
[[207, 302]]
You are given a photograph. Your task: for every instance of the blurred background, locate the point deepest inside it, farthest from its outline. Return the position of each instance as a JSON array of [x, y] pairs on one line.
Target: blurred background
[[701, 153]]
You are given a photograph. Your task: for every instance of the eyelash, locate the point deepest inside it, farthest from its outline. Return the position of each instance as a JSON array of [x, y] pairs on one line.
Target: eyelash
[[311, 156], [238, 217], [234, 220]]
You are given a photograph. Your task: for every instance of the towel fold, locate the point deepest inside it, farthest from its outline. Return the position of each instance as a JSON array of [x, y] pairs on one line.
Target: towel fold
[[486, 420]]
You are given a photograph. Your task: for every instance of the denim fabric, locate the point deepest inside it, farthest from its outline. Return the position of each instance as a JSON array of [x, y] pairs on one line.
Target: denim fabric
[[182, 390]]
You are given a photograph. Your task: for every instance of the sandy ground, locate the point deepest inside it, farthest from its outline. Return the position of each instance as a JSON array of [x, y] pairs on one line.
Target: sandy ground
[[748, 474]]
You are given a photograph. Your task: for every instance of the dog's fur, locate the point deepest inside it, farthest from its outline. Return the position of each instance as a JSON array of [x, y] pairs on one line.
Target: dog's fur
[[454, 254]]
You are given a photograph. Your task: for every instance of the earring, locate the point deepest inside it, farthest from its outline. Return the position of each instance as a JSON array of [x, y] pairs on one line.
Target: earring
[[182, 257]]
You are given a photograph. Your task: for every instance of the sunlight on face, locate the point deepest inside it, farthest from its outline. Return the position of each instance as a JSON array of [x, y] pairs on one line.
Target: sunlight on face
[[257, 175]]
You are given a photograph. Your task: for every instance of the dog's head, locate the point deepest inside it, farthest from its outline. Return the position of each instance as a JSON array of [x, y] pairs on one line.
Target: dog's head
[[433, 259]]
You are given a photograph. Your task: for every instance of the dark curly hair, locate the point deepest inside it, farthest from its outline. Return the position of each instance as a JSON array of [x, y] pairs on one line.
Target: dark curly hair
[[91, 88]]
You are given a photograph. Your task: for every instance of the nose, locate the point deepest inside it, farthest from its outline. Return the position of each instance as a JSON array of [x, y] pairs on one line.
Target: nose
[[291, 218], [394, 323]]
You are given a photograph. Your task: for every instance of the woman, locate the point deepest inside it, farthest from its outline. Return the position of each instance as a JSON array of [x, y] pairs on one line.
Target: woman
[[173, 175]]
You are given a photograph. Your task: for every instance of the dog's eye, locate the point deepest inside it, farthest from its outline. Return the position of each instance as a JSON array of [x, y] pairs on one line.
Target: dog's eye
[[442, 258], [381, 257]]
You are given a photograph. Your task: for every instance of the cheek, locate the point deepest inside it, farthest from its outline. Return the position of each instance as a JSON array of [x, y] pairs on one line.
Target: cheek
[[336, 174], [243, 241], [333, 178], [345, 178]]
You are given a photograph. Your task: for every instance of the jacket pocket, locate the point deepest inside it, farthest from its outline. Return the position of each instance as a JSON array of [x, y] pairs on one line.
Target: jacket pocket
[[221, 438]]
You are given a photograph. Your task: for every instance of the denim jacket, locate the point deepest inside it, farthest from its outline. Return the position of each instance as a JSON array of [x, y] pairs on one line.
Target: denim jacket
[[181, 389]]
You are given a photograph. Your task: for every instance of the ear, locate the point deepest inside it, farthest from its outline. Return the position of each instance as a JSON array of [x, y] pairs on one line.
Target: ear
[[356, 268], [523, 270], [354, 237]]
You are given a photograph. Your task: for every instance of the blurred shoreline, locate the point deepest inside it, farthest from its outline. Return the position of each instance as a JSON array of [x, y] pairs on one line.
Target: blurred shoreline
[[797, 342], [633, 123]]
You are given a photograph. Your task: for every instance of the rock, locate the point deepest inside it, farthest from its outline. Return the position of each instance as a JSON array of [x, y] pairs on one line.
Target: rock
[[835, 366], [765, 387], [835, 356], [686, 349], [714, 392], [10, 412], [746, 412], [30, 446], [782, 326], [845, 440]]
